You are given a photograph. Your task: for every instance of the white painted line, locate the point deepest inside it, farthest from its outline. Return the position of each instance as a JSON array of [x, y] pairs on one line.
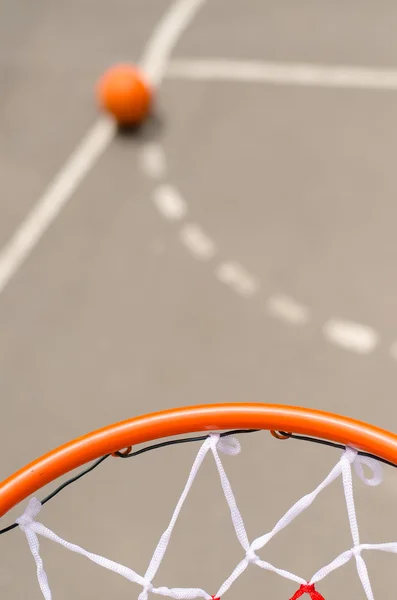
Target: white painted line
[[165, 36], [235, 275], [287, 309], [153, 63], [169, 202], [197, 242], [283, 73], [54, 199], [352, 336], [153, 160]]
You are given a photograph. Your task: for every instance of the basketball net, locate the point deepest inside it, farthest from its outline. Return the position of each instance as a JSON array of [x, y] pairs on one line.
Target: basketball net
[[214, 444]]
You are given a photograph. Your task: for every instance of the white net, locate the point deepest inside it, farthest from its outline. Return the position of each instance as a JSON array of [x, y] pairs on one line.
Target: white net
[[231, 446]]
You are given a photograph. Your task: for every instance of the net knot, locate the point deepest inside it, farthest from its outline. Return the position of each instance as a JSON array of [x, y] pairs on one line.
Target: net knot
[[350, 455], [307, 588], [147, 587], [226, 445], [251, 556], [32, 510]]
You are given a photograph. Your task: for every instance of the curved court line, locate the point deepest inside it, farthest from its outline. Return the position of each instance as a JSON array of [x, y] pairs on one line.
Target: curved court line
[[165, 37], [352, 336], [154, 61], [169, 202], [153, 160], [349, 335], [356, 337], [197, 242], [287, 309]]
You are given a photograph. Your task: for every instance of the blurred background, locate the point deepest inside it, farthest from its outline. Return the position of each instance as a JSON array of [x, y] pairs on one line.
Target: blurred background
[[240, 247]]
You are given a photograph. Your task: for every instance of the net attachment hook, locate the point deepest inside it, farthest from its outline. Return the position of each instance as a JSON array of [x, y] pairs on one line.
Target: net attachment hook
[[121, 453], [280, 435]]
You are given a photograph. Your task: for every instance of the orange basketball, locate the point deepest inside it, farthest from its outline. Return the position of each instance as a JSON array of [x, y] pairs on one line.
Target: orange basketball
[[123, 92]]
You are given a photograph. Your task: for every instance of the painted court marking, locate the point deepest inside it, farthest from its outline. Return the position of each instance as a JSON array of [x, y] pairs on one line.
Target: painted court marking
[[28, 234], [288, 309], [153, 160], [165, 36], [297, 74], [169, 202], [197, 242], [352, 336], [47, 208], [238, 278], [345, 334], [155, 63]]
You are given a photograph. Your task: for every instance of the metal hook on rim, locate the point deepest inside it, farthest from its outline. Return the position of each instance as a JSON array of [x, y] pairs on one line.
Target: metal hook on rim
[[121, 453], [280, 435]]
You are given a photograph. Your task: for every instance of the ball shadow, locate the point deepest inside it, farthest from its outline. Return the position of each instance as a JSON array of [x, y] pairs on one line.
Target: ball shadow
[[149, 130]]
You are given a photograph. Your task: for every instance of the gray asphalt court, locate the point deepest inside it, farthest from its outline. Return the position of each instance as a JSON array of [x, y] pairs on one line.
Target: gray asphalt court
[[240, 247]]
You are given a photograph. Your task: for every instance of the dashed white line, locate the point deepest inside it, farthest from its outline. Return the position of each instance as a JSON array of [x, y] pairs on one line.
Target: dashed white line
[[287, 309], [197, 242], [351, 336], [283, 73], [238, 278], [153, 160], [169, 202], [346, 334]]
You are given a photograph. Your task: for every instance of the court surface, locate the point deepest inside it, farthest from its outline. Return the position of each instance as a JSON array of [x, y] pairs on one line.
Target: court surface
[[241, 247]]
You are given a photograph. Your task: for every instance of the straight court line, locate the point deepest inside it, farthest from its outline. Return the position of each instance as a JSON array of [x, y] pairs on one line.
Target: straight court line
[[15, 252], [299, 74], [98, 138]]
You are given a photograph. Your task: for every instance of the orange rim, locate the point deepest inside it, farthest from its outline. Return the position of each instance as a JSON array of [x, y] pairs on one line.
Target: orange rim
[[216, 417]]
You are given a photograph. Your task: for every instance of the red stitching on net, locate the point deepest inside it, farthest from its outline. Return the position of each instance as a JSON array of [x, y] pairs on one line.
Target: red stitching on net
[[307, 589]]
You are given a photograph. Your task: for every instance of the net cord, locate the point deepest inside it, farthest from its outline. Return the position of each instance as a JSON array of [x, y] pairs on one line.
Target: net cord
[[216, 444]]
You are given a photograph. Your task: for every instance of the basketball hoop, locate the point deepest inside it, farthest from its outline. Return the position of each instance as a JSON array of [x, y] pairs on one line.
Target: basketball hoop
[[360, 445]]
